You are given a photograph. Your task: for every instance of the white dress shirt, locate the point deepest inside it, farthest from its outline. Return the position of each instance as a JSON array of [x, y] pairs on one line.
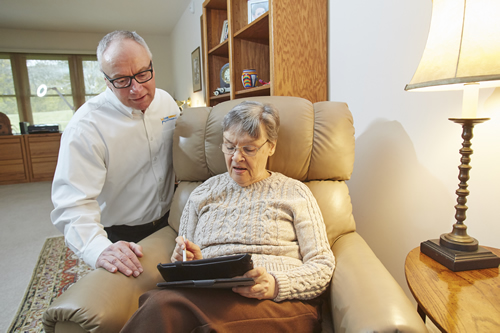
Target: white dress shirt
[[114, 168]]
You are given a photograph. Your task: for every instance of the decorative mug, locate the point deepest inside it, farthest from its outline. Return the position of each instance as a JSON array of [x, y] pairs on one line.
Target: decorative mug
[[249, 78]]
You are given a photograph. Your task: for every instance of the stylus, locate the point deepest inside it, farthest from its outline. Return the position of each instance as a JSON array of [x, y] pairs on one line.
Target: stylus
[[184, 251]]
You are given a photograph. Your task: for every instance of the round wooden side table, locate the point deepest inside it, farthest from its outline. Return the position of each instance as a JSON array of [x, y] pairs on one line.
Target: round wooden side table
[[467, 301]]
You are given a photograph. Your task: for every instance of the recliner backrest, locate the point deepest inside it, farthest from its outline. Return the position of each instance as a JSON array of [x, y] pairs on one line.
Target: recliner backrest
[[315, 145]]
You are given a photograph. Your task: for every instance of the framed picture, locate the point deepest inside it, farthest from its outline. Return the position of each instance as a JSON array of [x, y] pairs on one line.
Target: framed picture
[[196, 69], [225, 31], [256, 8]]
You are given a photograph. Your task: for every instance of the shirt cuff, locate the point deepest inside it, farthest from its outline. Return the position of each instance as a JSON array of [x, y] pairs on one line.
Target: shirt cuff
[[94, 249]]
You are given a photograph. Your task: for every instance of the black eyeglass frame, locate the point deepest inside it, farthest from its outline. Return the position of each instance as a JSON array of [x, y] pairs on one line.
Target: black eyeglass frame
[[112, 81]]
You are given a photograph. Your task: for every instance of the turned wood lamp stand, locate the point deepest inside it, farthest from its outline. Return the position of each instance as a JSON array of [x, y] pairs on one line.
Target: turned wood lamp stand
[[457, 250]]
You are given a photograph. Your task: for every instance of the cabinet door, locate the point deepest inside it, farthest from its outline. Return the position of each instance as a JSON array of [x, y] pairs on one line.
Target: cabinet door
[[43, 150], [13, 163], [299, 55]]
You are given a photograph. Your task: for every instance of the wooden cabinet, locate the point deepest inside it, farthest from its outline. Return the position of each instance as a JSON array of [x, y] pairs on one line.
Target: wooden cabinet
[[42, 151], [13, 160], [28, 158], [287, 46]]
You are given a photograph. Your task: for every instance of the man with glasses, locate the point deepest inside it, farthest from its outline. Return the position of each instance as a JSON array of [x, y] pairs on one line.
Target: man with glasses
[[114, 180]]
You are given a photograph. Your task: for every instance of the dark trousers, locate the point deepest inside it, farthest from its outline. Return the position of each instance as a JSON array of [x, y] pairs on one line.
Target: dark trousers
[[135, 233], [222, 311]]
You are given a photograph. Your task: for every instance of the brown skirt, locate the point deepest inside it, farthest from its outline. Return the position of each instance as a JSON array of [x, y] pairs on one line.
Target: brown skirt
[[221, 310]]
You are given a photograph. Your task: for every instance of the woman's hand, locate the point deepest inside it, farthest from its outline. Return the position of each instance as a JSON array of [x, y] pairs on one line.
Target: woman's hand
[[193, 251], [265, 286]]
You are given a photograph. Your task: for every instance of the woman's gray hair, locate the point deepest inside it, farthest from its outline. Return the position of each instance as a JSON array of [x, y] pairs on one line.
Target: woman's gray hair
[[119, 35], [246, 117]]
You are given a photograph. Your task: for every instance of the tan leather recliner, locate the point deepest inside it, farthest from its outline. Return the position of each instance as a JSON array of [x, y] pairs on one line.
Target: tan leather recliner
[[316, 146]]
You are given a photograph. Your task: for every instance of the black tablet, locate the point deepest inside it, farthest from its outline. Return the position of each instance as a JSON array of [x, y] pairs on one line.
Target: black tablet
[[213, 283], [218, 272]]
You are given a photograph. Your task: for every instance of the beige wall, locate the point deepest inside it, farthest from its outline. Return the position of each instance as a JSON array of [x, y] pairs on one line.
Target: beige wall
[[185, 38], [31, 41], [406, 169]]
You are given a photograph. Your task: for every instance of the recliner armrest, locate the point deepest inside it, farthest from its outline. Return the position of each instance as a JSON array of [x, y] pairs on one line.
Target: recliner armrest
[[364, 295], [102, 301]]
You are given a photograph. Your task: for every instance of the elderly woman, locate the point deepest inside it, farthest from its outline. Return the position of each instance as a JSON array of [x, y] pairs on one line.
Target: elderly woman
[[248, 210]]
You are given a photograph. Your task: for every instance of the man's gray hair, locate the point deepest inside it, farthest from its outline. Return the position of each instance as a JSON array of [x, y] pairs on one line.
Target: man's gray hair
[[119, 35], [246, 117]]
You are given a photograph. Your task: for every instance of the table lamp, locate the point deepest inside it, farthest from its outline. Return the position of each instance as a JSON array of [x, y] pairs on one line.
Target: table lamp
[[181, 104], [462, 53]]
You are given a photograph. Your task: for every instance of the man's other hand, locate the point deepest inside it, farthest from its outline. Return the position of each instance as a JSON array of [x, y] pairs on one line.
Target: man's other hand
[[122, 257]]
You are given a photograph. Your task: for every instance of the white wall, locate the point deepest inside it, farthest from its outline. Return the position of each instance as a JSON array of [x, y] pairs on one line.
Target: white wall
[[35, 41], [185, 38], [405, 174], [406, 168]]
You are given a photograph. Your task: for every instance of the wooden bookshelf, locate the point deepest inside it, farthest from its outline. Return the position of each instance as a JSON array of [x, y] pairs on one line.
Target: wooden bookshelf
[[286, 46]]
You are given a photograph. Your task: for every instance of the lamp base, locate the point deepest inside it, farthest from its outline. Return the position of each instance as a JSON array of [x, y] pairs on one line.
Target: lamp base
[[458, 261]]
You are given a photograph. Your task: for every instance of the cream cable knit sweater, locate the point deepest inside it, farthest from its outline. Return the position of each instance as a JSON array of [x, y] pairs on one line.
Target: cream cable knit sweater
[[268, 219]]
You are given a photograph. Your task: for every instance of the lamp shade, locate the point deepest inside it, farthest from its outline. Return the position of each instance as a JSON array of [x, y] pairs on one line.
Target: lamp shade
[[463, 46]]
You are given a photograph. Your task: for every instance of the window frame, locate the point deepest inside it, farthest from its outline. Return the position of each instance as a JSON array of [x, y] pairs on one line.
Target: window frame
[[22, 84], [4, 56]]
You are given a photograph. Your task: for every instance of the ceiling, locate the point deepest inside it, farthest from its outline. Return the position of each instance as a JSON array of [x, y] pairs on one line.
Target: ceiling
[[94, 16]]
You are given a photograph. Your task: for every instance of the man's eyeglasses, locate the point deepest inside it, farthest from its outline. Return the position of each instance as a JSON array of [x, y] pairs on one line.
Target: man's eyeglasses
[[245, 150], [126, 81]]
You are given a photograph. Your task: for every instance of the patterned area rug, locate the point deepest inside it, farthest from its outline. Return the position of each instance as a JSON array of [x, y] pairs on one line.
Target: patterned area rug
[[57, 269]]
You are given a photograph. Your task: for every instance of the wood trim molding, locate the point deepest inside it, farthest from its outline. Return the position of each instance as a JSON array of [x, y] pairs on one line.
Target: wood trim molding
[[21, 86], [77, 80]]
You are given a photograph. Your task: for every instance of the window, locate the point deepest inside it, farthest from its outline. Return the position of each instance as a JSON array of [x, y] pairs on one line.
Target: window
[[93, 78], [55, 107], [8, 103], [70, 80]]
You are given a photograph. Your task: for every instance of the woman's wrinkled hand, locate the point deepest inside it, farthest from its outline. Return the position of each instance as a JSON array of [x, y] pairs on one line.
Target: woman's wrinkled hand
[[193, 251], [265, 286]]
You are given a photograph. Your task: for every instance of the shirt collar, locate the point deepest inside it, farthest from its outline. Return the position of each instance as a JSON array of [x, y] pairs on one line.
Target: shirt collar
[[115, 102]]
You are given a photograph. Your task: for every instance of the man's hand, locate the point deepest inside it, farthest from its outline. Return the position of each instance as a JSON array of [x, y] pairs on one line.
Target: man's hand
[[264, 288], [121, 256]]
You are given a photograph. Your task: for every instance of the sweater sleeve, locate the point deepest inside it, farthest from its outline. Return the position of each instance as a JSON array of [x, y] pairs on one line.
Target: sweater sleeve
[[189, 219], [311, 278], [191, 212]]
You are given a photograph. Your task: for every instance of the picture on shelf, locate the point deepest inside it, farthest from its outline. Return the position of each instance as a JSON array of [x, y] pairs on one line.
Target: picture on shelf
[[196, 69], [225, 31], [256, 8]]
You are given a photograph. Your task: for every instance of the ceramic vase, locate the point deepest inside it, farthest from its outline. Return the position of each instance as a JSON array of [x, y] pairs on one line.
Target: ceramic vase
[[249, 78]]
